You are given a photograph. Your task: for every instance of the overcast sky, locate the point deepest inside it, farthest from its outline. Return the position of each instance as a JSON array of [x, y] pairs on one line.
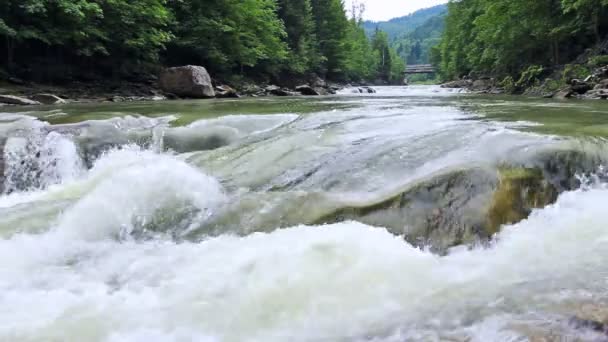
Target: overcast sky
[[379, 10]]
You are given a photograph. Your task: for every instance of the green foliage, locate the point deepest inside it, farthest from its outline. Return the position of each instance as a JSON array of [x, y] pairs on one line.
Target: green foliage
[[508, 84], [266, 38], [399, 27], [230, 34], [575, 71], [482, 35], [530, 77], [599, 61]]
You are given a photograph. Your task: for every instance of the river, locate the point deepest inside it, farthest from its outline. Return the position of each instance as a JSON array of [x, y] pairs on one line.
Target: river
[[413, 214]]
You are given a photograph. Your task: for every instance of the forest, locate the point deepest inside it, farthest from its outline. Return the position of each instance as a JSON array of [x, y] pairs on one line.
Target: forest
[[62, 40], [517, 39]]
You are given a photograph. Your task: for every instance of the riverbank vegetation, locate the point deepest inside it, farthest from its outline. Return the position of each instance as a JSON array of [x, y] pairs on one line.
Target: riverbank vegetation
[[521, 42], [63, 40]]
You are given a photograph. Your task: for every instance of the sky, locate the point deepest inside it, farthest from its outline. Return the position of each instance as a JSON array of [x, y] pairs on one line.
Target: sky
[[380, 10]]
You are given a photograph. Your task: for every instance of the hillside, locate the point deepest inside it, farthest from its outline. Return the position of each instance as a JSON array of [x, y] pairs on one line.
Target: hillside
[[399, 26]]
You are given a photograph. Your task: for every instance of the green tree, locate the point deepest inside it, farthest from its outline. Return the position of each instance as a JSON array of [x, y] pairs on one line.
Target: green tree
[[228, 34], [331, 25], [304, 53]]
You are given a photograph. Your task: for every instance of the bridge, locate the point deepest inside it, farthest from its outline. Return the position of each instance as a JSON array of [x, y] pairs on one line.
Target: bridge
[[419, 69]]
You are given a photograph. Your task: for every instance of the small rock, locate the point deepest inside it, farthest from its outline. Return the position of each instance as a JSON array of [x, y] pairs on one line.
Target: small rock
[[17, 81], [581, 87], [48, 99], [307, 90], [16, 100], [224, 91], [603, 84], [117, 99], [274, 90], [585, 324], [368, 90], [599, 94], [457, 84], [318, 82]]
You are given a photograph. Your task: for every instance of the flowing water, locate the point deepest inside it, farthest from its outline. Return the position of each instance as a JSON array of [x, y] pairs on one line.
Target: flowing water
[[267, 220]]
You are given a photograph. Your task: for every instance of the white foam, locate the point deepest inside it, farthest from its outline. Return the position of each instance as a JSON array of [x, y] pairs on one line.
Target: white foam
[[339, 282]]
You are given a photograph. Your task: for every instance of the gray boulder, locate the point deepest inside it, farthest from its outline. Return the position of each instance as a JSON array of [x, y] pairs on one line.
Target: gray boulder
[[187, 81], [16, 100], [48, 99]]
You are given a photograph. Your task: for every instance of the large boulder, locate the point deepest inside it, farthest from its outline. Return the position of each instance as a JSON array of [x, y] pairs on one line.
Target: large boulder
[[187, 81], [48, 99], [16, 100]]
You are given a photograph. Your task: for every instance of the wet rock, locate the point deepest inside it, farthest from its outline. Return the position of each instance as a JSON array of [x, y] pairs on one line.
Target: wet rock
[[2, 143], [277, 91], [48, 99], [16, 81], [564, 93], [187, 81], [587, 324], [458, 84], [580, 87], [461, 207], [368, 90], [224, 91], [16, 100], [318, 82], [518, 192], [598, 94], [482, 84], [307, 90], [603, 84]]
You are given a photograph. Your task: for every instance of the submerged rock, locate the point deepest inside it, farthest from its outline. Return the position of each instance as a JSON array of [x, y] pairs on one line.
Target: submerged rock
[[16, 100], [188, 81]]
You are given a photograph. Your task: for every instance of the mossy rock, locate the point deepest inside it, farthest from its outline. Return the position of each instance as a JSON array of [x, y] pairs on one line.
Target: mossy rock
[[519, 191]]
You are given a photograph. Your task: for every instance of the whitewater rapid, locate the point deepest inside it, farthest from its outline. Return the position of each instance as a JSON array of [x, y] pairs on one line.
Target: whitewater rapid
[[105, 253], [90, 276]]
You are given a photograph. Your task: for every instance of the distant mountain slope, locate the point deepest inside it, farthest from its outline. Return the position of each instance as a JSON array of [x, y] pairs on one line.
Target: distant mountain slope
[[399, 26], [415, 46]]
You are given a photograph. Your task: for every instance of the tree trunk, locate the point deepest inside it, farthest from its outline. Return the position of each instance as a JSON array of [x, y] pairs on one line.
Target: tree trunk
[[596, 27]]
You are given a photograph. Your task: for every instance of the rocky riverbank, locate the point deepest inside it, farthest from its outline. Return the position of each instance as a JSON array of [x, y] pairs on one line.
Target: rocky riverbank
[[584, 78], [173, 83]]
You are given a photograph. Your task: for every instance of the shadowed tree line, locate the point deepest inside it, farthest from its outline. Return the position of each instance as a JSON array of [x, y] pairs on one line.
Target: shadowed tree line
[[55, 40]]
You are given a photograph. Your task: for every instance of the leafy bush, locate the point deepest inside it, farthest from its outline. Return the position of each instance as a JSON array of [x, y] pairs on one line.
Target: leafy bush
[[598, 61], [508, 84], [530, 76], [575, 71]]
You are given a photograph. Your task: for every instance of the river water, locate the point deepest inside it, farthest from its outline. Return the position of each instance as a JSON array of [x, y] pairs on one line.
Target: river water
[[260, 220]]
